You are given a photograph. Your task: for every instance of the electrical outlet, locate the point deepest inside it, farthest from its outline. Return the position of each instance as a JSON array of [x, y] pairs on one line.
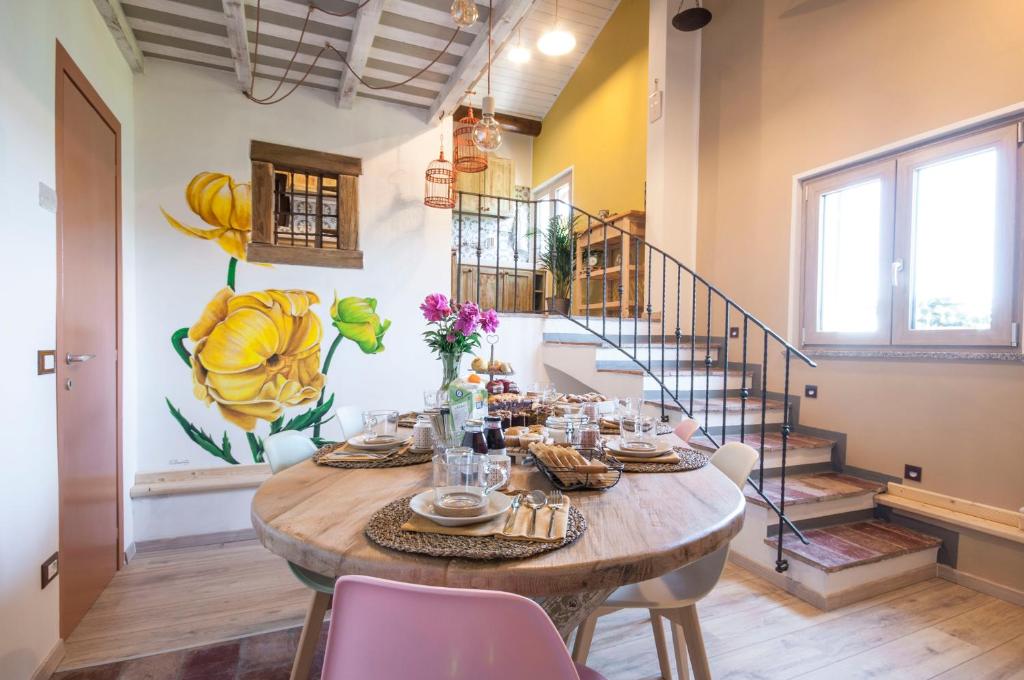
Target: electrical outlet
[[48, 570], [734, 331], [811, 391], [912, 472]]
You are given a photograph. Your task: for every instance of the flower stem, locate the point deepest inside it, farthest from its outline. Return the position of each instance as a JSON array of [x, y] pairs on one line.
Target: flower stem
[[256, 446], [327, 367], [177, 341], [232, 266]]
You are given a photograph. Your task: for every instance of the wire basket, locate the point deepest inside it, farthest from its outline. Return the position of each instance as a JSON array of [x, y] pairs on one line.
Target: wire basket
[[569, 479]]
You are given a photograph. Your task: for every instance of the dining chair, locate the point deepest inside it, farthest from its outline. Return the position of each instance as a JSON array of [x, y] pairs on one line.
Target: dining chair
[[282, 451], [674, 596], [386, 629], [685, 429], [350, 419]]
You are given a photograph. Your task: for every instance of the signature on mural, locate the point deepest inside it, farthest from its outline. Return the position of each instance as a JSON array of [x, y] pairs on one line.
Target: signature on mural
[[257, 354]]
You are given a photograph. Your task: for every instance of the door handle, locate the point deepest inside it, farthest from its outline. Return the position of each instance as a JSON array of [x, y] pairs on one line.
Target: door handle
[[78, 358]]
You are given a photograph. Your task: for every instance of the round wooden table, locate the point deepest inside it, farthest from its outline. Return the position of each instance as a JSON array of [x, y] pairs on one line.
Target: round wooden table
[[646, 525]]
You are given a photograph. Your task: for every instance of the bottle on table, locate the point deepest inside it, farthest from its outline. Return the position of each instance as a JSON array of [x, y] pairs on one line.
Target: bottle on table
[[496, 449]]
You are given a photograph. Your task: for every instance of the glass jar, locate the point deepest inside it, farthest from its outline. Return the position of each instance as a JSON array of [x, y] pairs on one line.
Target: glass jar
[[473, 436], [566, 429], [422, 434], [501, 463], [590, 436]]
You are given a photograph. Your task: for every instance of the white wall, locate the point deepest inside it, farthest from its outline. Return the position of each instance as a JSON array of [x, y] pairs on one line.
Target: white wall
[[191, 120], [28, 485], [520, 149]]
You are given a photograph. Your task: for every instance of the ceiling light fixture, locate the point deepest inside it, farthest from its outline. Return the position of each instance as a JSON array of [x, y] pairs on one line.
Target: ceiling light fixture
[[518, 54], [487, 132], [556, 42], [692, 18], [464, 12]]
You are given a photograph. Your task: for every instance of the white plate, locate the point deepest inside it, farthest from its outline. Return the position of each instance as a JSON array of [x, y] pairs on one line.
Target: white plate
[[359, 442], [423, 505], [660, 449]]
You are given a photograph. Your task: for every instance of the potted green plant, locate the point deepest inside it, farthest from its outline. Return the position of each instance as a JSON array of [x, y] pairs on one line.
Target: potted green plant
[[556, 257]]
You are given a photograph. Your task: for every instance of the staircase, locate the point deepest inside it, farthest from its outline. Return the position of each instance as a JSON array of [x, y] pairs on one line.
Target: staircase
[[849, 554], [692, 351]]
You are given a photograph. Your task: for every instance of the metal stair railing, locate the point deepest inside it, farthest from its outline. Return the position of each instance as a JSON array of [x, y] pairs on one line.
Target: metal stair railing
[[653, 275]]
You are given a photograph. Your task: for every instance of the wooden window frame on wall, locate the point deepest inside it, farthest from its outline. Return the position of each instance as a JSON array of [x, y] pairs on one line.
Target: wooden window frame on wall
[[265, 157]]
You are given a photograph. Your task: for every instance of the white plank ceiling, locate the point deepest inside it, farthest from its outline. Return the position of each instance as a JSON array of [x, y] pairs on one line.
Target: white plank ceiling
[[394, 39]]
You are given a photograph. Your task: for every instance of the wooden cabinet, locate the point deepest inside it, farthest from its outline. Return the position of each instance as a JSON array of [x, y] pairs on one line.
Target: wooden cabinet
[[611, 266], [497, 180], [505, 289]]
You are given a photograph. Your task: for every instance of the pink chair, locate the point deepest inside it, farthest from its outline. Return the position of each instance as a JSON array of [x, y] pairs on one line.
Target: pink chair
[[400, 631], [685, 429]]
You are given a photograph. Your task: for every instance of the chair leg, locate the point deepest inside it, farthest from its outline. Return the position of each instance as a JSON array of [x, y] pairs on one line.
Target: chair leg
[[679, 647], [659, 644], [310, 635], [584, 636], [688, 619]]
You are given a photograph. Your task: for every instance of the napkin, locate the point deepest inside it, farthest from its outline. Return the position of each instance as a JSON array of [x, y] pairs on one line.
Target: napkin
[[671, 458], [520, 530], [347, 453]]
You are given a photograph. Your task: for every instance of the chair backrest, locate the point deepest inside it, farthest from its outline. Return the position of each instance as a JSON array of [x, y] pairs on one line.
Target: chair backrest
[[736, 460], [350, 419], [385, 629], [287, 448], [685, 429]]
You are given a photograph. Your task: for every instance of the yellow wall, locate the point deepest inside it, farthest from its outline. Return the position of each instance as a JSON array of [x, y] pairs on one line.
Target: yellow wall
[[598, 125], [787, 87]]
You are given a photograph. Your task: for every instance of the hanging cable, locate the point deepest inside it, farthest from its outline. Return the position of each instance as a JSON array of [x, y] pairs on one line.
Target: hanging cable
[[272, 98]]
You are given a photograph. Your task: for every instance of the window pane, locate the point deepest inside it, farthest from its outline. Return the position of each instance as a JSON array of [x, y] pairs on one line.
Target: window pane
[[849, 233], [954, 234]]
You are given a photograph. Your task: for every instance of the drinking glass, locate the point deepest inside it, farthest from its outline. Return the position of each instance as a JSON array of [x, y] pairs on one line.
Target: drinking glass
[[463, 480], [637, 431], [380, 426], [431, 399]]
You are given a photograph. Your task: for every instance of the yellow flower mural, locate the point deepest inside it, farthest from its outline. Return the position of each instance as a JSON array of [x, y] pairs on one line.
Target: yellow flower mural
[[257, 353], [223, 204]]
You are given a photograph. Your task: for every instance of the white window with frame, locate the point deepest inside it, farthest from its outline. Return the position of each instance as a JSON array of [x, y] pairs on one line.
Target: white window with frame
[[916, 249]]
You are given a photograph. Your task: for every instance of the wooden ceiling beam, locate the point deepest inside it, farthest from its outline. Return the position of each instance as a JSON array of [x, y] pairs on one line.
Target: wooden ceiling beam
[[506, 17], [117, 22], [508, 122], [238, 41], [367, 21]]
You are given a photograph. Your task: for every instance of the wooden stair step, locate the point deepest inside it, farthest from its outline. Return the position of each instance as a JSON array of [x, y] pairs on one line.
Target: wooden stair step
[[734, 405], [813, 488], [845, 546], [772, 441]]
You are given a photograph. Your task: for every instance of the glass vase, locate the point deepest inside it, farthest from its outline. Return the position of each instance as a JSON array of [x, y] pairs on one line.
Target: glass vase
[[450, 368]]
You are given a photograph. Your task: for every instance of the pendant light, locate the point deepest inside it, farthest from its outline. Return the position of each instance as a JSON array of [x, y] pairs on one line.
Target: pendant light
[[486, 131], [439, 187], [556, 42], [518, 54], [465, 155], [464, 12], [692, 18]]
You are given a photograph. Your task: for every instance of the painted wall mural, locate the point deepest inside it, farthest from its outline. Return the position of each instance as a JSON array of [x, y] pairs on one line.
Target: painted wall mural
[[256, 354]]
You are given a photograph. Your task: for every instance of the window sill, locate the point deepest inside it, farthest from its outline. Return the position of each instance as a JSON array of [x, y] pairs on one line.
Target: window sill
[[914, 354], [266, 253]]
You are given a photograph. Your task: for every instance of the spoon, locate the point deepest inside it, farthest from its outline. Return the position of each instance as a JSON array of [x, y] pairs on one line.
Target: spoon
[[535, 500]]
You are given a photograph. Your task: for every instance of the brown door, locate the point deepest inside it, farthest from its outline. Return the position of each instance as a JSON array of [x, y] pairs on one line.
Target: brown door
[[88, 139]]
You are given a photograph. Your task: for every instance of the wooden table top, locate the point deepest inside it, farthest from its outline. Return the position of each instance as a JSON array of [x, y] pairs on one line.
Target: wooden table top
[[645, 526]]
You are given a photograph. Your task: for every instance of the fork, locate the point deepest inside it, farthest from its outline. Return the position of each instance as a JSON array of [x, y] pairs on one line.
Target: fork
[[555, 501]]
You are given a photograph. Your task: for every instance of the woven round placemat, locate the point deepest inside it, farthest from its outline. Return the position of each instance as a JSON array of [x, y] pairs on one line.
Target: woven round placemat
[[688, 460], [385, 529], [410, 457]]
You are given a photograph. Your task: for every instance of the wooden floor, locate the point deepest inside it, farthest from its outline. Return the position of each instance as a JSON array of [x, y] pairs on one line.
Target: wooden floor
[[753, 631]]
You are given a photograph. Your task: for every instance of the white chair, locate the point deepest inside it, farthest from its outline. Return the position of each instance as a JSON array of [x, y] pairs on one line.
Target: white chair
[[350, 419], [674, 596], [282, 451]]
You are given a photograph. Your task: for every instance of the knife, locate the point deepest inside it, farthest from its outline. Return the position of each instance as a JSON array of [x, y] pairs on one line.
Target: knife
[[512, 516]]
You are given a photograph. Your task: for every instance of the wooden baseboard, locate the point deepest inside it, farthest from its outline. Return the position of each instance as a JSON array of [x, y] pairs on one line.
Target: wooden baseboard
[[835, 600], [194, 541], [129, 552], [50, 663], [982, 585]]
